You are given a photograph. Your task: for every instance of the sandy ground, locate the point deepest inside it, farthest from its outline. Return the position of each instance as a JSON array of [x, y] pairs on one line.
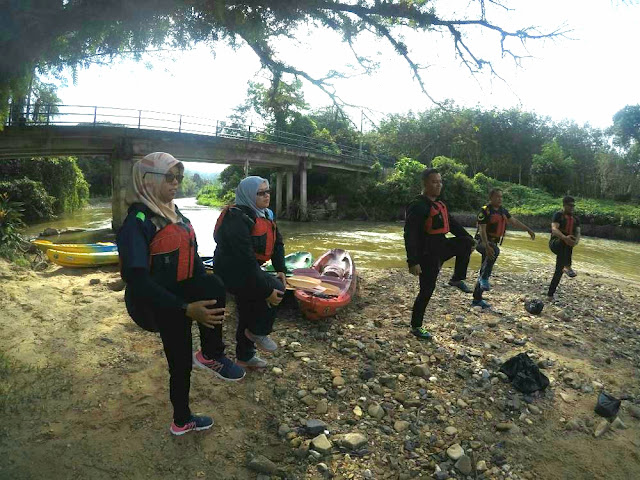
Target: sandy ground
[[84, 391]]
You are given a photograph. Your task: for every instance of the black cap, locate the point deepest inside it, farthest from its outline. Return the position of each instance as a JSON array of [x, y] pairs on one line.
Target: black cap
[[568, 199]]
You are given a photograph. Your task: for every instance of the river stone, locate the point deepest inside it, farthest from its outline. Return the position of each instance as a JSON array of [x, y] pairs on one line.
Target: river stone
[[602, 427], [376, 411], [321, 444], [338, 382], [481, 466], [451, 430], [357, 411], [618, 424], [388, 381], [262, 464], [400, 425], [464, 465], [322, 406], [283, 430], [421, 371], [505, 426], [455, 451], [535, 410], [301, 354], [461, 403], [354, 441], [308, 400], [315, 426], [634, 410]]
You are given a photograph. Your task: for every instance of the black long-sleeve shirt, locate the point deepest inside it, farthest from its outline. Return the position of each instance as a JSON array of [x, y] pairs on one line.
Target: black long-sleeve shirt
[[235, 260], [419, 243]]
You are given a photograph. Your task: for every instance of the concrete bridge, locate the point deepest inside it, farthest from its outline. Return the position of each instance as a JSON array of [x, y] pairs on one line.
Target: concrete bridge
[[128, 137]]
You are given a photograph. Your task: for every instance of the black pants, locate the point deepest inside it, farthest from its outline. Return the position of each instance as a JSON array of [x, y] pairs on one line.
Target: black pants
[[563, 259], [255, 315], [175, 331], [486, 267], [459, 247]]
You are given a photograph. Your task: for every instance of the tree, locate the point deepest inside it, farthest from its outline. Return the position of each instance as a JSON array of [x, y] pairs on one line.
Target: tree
[[626, 126], [552, 170], [49, 35]]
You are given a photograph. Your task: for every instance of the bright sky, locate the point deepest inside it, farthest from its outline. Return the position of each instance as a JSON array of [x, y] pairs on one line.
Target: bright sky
[[586, 78]]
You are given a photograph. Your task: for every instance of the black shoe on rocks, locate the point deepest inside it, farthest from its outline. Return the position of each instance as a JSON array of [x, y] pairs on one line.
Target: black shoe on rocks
[[460, 285]]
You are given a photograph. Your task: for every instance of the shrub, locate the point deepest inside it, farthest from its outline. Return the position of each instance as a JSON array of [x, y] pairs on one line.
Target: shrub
[[37, 205], [10, 223], [60, 177]]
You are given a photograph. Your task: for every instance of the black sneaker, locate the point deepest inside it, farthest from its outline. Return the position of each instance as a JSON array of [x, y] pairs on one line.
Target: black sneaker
[[569, 272], [460, 285], [422, 333]]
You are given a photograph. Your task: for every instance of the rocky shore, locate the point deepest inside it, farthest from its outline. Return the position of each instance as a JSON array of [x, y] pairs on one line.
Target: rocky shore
[[84, 391]]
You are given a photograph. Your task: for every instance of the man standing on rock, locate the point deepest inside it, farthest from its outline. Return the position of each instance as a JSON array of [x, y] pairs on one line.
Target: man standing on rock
[[427, 222], [565, 234], [492, 224]]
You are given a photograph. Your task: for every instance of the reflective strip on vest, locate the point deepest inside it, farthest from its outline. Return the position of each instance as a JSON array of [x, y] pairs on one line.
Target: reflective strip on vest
[[438, 220]]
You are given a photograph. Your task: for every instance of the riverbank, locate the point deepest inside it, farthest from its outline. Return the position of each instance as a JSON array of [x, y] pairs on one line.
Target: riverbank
[[84, 391]]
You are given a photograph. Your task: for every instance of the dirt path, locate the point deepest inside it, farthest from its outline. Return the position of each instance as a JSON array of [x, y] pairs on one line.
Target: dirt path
[[84, 390]]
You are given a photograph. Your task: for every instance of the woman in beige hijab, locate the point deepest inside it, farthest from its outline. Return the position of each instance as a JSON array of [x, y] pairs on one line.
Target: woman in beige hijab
[[167, 286]]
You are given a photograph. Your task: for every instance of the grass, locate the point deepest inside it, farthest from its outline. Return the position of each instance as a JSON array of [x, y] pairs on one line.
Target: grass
[[526, 201]]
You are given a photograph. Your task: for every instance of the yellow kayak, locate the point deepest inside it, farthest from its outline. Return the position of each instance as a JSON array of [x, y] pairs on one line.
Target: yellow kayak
[[45, 245], [74, 259]]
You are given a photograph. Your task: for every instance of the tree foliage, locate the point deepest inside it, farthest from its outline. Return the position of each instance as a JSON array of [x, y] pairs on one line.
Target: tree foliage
[[51, 35], [61, 178], [36, 203], [552, 169]]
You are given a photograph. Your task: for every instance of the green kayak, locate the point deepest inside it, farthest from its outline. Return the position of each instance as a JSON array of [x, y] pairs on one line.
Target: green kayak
[[293, 261]]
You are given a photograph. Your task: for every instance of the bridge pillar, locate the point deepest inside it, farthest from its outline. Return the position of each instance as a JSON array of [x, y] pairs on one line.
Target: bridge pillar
[[121, 169], [279, 177], [289, 192], [303, 190]]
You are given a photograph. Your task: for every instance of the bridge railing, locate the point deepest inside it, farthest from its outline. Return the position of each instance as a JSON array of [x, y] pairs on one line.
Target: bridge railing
[[82, 115]]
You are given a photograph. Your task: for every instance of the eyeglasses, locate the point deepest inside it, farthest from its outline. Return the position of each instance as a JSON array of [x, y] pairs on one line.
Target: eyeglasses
[[169, 177], [263, 193]]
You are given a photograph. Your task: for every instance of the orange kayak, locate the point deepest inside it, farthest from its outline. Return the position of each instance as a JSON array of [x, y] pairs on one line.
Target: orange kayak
[[335, 268]]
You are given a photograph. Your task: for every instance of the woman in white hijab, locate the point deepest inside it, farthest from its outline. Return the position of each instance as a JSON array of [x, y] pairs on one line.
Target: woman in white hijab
[[246, 236], [167, 286]]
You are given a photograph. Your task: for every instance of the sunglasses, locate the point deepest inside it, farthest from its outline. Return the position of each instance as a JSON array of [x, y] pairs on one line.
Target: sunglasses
[[169, 177], [263, 193]]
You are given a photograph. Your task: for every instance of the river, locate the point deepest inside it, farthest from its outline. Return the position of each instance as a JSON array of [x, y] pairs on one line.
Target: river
[[372, 244]]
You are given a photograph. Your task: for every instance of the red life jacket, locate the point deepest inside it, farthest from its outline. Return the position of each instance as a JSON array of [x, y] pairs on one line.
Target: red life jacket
[[263, 234], [497, 224], [568, 225], [438, 220], [172, 252]]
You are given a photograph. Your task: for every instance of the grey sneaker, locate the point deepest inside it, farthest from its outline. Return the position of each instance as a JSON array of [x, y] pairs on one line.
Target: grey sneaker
[[263, 342], [255, 363]]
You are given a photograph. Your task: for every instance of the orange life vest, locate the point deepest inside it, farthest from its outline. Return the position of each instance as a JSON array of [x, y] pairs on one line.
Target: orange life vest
[[438, 220], [497, 224], [172, 253], [568, 226], [263, 234]]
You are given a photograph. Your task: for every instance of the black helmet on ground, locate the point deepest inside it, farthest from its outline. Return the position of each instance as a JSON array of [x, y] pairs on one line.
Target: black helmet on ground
[[534, 306]]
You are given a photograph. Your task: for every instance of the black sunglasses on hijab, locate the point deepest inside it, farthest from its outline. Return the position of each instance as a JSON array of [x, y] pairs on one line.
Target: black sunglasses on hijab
[[169, 177]]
